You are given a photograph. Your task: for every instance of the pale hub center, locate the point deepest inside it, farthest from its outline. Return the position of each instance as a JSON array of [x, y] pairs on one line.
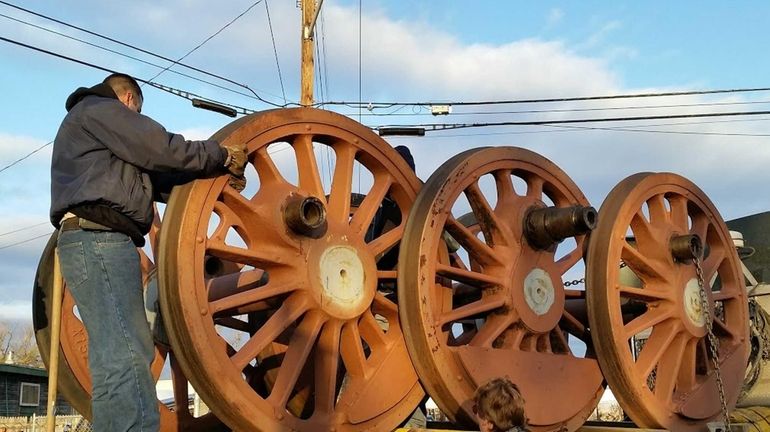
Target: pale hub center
[[538, 291], [693, 303], [342, 275]]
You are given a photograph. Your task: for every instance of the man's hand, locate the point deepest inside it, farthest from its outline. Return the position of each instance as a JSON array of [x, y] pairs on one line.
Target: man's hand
[[237, 183], [236, 159]]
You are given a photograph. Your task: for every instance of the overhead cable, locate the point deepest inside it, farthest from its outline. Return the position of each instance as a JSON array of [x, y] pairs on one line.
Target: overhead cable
[[134, 47], [376, 105]]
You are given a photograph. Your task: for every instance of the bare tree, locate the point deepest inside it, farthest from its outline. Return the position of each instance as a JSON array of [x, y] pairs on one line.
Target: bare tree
[[20, 340]]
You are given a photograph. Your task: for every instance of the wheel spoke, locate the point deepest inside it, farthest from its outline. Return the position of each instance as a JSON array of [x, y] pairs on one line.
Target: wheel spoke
[[302, 341], [265, 255], [570, 259], [485, 304], [307, 167], [368, 209], [712, 263], [660, 339], [233, 283], [468, 277], [679, 212], [476, 248], [352, 351], [700, 226], [270, 290], [574, 327], [371, 332], [658, 212], [342, 183], [686, 379], [641, 264], [266, 169], [651, 318], [243, 210], [327, 359], [562, 339], [383, 306], [534, 186], [504, 185], [233, 323], [669, 367], [647, 294], [493, 228], [387, 241], [644, 233], [287, 314], [492, 328], [722, 328], [387, 275]]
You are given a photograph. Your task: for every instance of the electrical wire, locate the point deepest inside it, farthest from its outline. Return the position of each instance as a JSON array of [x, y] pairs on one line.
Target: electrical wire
[[26, 241], [322, 30], [378, 105], [24, 228], [26, 156], [208, 39], [134, 47], [625, 129], [181, 93], [126, 56], [568, 110], [275, 49], [449, 126]]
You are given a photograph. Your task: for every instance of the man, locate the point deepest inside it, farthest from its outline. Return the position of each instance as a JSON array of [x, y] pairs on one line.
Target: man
[[105, 157]]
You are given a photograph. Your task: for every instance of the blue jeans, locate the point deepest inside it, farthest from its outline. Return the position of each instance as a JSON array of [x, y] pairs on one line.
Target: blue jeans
[[101, 269]]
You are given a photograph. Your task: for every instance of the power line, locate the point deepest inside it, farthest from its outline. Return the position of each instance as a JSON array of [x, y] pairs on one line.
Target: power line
[[625, 129], [26, 241], [275, 50], [24, 228], [208, 39], [127, 45], [568, 110], [26, 156], [450, 126], [126, 56], [377, 105], [181, 93]]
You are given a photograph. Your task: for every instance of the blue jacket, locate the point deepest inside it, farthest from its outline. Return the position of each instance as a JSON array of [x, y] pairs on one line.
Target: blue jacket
[[108, 162]]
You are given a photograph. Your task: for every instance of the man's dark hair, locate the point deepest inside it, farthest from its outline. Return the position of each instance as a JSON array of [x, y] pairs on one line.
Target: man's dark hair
[[122, 83], [407, 155]]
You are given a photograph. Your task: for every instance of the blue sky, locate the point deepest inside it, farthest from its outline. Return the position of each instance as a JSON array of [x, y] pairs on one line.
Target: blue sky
[[412, 50]]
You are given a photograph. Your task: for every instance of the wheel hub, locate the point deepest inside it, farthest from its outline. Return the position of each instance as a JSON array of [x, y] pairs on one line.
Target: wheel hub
[[693, 305], [343, 291], [538, 291]]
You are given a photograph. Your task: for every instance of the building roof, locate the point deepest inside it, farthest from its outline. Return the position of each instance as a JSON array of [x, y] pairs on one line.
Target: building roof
[[23, 370]]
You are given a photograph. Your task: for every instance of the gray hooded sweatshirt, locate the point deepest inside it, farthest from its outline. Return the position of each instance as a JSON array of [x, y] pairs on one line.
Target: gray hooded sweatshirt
[[110, 162]]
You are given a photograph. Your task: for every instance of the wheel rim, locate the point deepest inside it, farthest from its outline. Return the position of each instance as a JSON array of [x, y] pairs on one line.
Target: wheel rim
[[671, 384], [74, 380], [523, 330], [314, 372]]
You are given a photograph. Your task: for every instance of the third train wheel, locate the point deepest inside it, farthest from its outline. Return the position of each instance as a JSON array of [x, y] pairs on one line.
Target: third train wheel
[[494, 304], [294, 340], [668, 381]]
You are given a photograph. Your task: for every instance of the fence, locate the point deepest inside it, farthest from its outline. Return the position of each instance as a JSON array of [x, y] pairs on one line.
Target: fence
[[73, 423]]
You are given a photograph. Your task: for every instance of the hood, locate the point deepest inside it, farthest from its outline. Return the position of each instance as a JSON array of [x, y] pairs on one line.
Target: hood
[[102, 90]]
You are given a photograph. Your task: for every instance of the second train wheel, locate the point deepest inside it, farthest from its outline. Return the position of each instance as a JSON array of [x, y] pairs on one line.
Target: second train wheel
[[649, 224], [292, 341], [494, 304]]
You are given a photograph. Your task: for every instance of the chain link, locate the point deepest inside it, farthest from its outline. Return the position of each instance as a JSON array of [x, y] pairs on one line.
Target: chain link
[[583, 279], [713, 342]]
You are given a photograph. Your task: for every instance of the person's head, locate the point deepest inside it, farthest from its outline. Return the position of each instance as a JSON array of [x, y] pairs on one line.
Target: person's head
[[127, 90], [499, 406], [406, 154]]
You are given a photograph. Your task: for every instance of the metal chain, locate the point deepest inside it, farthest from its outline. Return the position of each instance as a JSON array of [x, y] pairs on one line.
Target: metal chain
[[583, 279], [713, 342]]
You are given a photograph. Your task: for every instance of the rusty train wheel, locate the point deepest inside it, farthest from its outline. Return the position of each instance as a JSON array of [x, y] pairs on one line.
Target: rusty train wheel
[[74, 375], [496, 306], [670, 382], [293, 340]]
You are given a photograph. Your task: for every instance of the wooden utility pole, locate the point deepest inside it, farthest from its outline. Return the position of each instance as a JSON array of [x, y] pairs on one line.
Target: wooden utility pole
[[307, 78]]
